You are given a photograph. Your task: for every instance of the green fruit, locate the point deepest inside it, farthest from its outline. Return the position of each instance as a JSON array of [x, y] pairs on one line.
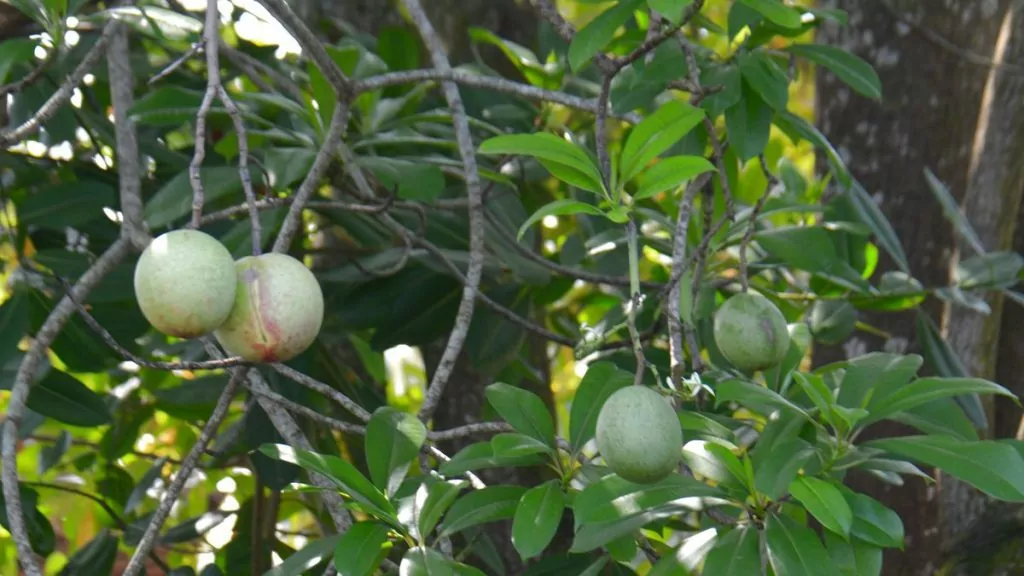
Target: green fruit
[[832, 321], [751, 332], [185, 283], [638, 435], [278, 309]]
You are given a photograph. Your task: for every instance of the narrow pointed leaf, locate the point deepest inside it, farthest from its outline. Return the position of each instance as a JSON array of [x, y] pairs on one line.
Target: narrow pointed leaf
[[737, 552], [824, 502], [850, 68], [481, 506], [562, 207], [795, 550], [670, 173], [537, 517], [593, 37]]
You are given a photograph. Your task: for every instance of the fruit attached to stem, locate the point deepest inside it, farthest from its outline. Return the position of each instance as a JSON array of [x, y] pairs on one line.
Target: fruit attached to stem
[[751, 332], [638, 435]]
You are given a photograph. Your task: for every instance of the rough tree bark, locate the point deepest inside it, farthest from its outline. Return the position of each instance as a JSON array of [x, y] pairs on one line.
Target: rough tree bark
[[943, 108]]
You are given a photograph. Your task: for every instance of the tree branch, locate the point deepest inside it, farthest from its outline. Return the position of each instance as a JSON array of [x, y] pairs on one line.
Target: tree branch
[[63, 94], [474, 272], [135, 565], [129, 170], [317, 386], [19, 396], [675, 328]]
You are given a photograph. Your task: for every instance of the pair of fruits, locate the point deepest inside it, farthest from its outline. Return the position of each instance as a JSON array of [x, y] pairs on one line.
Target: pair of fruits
[[266, 308], [638, 433]]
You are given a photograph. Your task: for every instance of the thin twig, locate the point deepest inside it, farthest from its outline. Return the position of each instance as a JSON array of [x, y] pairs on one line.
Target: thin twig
[[210, 31], [63, 94], [675, 324], [317, 386], [35, 74], [474, 272], [748, 235], [469, 430], [293, 220], [292, 406], [178, 62], [243, 165], [18, 397], [253, 67], [170, 496], [129, 168]]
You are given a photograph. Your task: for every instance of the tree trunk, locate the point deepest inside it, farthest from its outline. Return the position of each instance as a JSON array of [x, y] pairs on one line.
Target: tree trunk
[[936, 112]]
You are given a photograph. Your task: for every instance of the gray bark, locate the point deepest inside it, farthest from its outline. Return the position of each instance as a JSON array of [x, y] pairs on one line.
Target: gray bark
[[931, 59]]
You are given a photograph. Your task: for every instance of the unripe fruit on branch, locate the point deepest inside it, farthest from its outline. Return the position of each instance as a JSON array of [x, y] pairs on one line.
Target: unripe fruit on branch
[[185, 283], [278, 309], [751, 332], [638, 435]]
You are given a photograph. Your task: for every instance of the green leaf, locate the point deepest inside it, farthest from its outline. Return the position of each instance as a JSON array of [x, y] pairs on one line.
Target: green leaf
[[766, 78], [670, 173], [286, 166], [593, 37], [870, 378], [824, 502], [308, 556], [40, 532], [794, 549], [96, 557], [536, 518], [595, 535], [393, 440], [776, 11], [65, 399], [873, 522], [439, 496], [928, 389], [524, 410], [68, 204], [481, 455], [748, 124], [710, 460], [671, 9], [343, 474], [995, 469], [939, 417], [795, 126], [849, 68], [655, 134], [174, 199], [811, 249], [993, 270], [145, 483], [562, 158], [358, 551], [601, 381], [488, 504], [14, 324], [816, 389], [421, 561], [558, 208], [951, 210], [507, 445], [737, 552], [750, 394], [854, 557], [945, 362], [613, 498], [774, 475]]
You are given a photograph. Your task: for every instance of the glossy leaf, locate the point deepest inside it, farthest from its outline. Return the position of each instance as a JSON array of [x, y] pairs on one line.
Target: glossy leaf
[[655, 134], [64, 398], [562, 158], [436, 497], [96, 557], [562, 207], [358, 551], [14, 324], [174, 199], [795, 550], [309, 555], [601, 381], [815, 389], [68, 204], [613, 498], [873, 522], [523, 410], [710, 460], [995, 469], [671, 9], [766, 78], [751, 394], [427, 562], [748, 123], [776, 11], [481, 455], [851, 69], [40, 532], [945, 362], [506, 445], [738, 552], [393, 439], [810, 249], [925, 390], [854, 557], [595, 535], [824, 502], [991, 270], [774, 475], [536, 518], [593, 37], [670, 173], [481, 506]]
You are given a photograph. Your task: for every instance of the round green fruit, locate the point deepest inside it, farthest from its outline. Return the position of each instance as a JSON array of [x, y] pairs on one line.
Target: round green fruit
[[278, 309], [832, 321], [751, 332], [638, 435], [185, 283]]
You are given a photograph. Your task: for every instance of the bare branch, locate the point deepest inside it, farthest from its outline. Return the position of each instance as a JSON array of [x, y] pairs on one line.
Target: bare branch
[[311, 46], [31, 77], [474, 271], [748, 235], [317, 386], [469, 430], [332, 423], [253, 67], [293, 220], [178, 62], [170, 496], [63, 94], [678, 261], [292, 434], [489, 82], [210, 30], [19, 395], [129, 169], [243, 166]]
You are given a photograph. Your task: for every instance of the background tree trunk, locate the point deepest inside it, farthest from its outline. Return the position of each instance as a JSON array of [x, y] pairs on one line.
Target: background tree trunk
[[945, 109]]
